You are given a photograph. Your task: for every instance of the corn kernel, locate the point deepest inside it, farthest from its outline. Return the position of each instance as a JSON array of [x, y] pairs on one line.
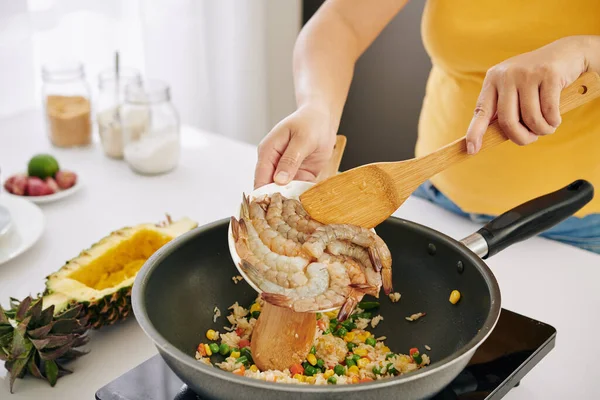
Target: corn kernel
[[362, 362], [235, 354], [210, 334], [255, 307], [207, 349], [253, 368], [349, 336], [299, 378], [355, 379], [328, 374], [353, 370], [332, 314], [363, 336], [310, 379], [385, 349], [454, 296], [360, 352], [311, 359]]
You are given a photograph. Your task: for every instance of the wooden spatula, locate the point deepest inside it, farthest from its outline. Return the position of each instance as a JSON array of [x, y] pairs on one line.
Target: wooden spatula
[[282, 337], [369, 194]]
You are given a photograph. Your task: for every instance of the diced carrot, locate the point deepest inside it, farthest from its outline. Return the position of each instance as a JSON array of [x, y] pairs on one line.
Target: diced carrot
[[321, 324], [413, 351], [240, 371], [239, 331], [367, 379], [244, 343], [297, 369], [201, 350]]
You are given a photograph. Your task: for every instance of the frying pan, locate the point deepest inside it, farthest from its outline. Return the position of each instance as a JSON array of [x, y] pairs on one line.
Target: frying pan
[[176, 290]]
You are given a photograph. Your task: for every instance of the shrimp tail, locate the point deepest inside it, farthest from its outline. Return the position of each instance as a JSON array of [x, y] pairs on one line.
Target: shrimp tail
[[386, 277], [349, 305], [375, 258], [245, 212], [235, 229], [278, 300], [366, 288]]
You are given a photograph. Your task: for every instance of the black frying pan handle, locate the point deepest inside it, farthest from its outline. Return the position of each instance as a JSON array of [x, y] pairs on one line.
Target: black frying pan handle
[[535, 216]]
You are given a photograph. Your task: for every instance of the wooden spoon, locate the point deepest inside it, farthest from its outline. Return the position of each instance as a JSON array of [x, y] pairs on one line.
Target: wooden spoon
[[282, 337], [369, 194]]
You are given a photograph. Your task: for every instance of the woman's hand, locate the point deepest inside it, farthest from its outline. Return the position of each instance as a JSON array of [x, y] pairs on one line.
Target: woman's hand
[[298, 148], [523, 92]]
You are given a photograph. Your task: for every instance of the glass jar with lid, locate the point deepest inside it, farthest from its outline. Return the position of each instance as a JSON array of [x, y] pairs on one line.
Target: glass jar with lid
[[111, 96], [67, 105], [150, 126]]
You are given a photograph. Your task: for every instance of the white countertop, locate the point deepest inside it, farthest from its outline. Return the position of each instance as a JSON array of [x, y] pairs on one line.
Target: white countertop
[[548, 281]]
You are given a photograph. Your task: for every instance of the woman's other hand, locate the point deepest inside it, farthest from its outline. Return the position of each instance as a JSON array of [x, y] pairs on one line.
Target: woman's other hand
[[297, 148], [523, 92]]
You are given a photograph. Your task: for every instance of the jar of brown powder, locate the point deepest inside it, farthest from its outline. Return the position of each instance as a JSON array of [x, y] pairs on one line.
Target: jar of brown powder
[[67, 105]]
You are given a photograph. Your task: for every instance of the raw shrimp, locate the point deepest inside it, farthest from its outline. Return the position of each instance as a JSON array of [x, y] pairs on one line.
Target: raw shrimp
[[335, 295], [283, 270], [296, 217], [378, 251], [273, 239], [275, 219], [339, 247], [318, 281]]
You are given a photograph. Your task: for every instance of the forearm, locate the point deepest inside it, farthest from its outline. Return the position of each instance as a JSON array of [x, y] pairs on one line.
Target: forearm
[[591, 46], [329, 46]]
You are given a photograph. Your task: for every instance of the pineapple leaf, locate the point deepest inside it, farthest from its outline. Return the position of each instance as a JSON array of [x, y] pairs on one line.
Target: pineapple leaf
[[14, 303], [6, 339], [22, 309], [20, 344], [55, 353], [3, 316], [51, 371], [40, 332], [33, 368], [70, 313], [17, 368], [52, 341], [80, 341], [62, 371], [47, 316], [73, 354], [35, 312]]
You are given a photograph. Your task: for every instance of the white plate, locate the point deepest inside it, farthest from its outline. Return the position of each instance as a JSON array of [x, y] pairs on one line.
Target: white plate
[[292, 190], [61, 194], [27, 225]]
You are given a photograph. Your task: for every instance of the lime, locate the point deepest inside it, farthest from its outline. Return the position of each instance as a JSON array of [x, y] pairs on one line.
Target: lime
[[42, 166]]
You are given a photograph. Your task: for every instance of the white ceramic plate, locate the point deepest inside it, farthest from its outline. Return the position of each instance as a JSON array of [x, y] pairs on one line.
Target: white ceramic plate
[[61, 194], [292, 190], [27, 225]]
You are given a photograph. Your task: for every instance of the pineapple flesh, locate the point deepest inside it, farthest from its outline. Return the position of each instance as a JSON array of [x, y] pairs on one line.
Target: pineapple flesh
[[101, 277]]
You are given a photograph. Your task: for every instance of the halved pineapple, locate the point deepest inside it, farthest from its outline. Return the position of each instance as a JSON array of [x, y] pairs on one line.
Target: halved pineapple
[[101, 277]]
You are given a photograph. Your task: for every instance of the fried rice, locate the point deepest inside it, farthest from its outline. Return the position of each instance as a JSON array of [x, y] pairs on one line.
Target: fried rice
[[342, 353]]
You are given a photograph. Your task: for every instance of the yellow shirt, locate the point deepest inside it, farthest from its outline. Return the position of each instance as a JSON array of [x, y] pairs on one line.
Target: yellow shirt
[[464, 38]]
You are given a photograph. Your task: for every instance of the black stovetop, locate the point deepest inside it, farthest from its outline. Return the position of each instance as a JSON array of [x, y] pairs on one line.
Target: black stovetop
[[515, 346]]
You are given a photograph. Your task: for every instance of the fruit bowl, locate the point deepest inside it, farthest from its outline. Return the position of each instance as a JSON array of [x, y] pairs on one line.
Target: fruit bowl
[[44, 198]]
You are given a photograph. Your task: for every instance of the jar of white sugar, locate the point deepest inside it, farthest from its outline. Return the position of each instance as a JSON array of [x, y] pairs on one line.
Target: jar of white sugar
[[150, 126]]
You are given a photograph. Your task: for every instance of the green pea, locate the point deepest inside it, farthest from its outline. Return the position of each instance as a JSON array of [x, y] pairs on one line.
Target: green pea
[[313, 350], [310, 370], [255, 314], [417, 357], [341, 332], [349, 325], [214, 348], [339, 370], [389, 355], [320, 363], [355, 357], [370, 341], [351, 346], [242, 359], [333, 322], [247, 353], [332, 380], [305, 365], [327, 331], [368, 305], [377, 370], [390, 369], [350, 362], [224, 349], [319, 315]]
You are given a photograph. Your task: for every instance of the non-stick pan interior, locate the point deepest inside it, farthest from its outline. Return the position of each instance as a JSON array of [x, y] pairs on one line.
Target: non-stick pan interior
[[183, 290]]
